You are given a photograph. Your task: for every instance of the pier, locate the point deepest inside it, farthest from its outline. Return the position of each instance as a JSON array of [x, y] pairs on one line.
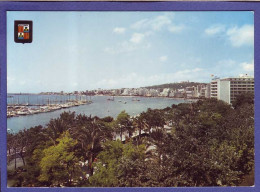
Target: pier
[[12, 104], [14, 110], [23, 104]]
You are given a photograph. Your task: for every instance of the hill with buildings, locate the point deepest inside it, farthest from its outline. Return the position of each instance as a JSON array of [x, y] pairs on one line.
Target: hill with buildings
[[180, 85]]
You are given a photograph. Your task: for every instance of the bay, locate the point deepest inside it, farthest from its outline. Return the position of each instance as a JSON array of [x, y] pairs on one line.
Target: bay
[[100, 107]]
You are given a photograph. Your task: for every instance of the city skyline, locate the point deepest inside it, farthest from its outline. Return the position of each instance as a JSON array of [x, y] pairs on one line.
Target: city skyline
[[111, 50]]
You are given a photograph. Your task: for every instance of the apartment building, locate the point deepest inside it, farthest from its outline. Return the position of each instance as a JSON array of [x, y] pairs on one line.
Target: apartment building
[[204, 91], [191, 92], [228, 89]]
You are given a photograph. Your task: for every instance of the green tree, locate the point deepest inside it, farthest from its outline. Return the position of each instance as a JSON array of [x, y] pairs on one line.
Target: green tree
[[211, 144], [139, 123], [58, 164], [117, 165], [57, 126], [90, 132], [154, 119], [12, 146], [243, 99], [123, 123], [106, 165]]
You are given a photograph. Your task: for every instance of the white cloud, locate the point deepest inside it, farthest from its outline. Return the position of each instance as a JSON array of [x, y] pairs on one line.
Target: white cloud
[[136, 42], [215, 29], [140, 24], [132, 80], [238, 36], [137, 37], [232, 68], [249, 67], [182, 75], [158, 23], [241, 36], [163, 58], [119, 30]]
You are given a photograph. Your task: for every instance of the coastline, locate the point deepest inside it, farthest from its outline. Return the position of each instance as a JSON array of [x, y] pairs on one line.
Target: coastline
[[16, 110], [161, 97], [100, 107], [177, 98]]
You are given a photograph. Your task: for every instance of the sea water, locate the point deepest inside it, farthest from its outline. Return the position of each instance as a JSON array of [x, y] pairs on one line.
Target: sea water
[[102, 106]]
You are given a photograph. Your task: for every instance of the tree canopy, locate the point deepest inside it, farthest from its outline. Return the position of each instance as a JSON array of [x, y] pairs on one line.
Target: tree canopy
[[204, 143]]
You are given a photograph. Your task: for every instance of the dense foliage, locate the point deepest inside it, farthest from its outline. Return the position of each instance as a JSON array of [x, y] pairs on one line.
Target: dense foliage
[[205, 143]]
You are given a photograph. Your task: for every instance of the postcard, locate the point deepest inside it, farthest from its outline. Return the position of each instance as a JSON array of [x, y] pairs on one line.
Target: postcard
[[129, 98]]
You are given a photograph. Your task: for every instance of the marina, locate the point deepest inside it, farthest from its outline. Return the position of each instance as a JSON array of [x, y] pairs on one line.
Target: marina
[[100, 106], [19, 104], [16, 110]]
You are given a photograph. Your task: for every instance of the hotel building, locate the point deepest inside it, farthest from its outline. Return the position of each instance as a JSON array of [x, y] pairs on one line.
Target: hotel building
[[228, 89]]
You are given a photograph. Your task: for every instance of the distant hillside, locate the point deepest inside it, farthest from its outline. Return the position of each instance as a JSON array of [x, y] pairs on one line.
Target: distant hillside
[[175, 85]]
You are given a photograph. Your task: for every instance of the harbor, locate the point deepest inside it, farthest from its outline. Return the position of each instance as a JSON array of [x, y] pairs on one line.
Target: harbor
[[17, 110], [100, 106], [26, 106]]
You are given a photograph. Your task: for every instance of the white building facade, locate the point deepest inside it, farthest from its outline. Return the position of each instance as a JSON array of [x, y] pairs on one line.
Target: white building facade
[[228, 89]]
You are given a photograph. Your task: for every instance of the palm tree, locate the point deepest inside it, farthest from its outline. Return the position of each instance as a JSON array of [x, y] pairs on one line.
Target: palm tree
[[140, 124], [57, 126], [154, 119], [123, 123], [90, 132]]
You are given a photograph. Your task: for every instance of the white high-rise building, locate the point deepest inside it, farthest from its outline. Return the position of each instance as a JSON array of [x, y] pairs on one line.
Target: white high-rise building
[[228, 89]]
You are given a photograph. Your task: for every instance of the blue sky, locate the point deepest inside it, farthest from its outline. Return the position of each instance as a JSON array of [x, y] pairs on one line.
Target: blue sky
[[90, 50]]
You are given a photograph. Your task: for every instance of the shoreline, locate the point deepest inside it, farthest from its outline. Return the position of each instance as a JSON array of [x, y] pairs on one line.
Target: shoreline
[[16, 110], [24, 110], [177, 98], [161, 97], [101, 107]]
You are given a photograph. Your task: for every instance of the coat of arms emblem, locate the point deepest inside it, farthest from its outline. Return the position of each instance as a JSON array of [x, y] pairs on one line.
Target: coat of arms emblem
[[23, 31]]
